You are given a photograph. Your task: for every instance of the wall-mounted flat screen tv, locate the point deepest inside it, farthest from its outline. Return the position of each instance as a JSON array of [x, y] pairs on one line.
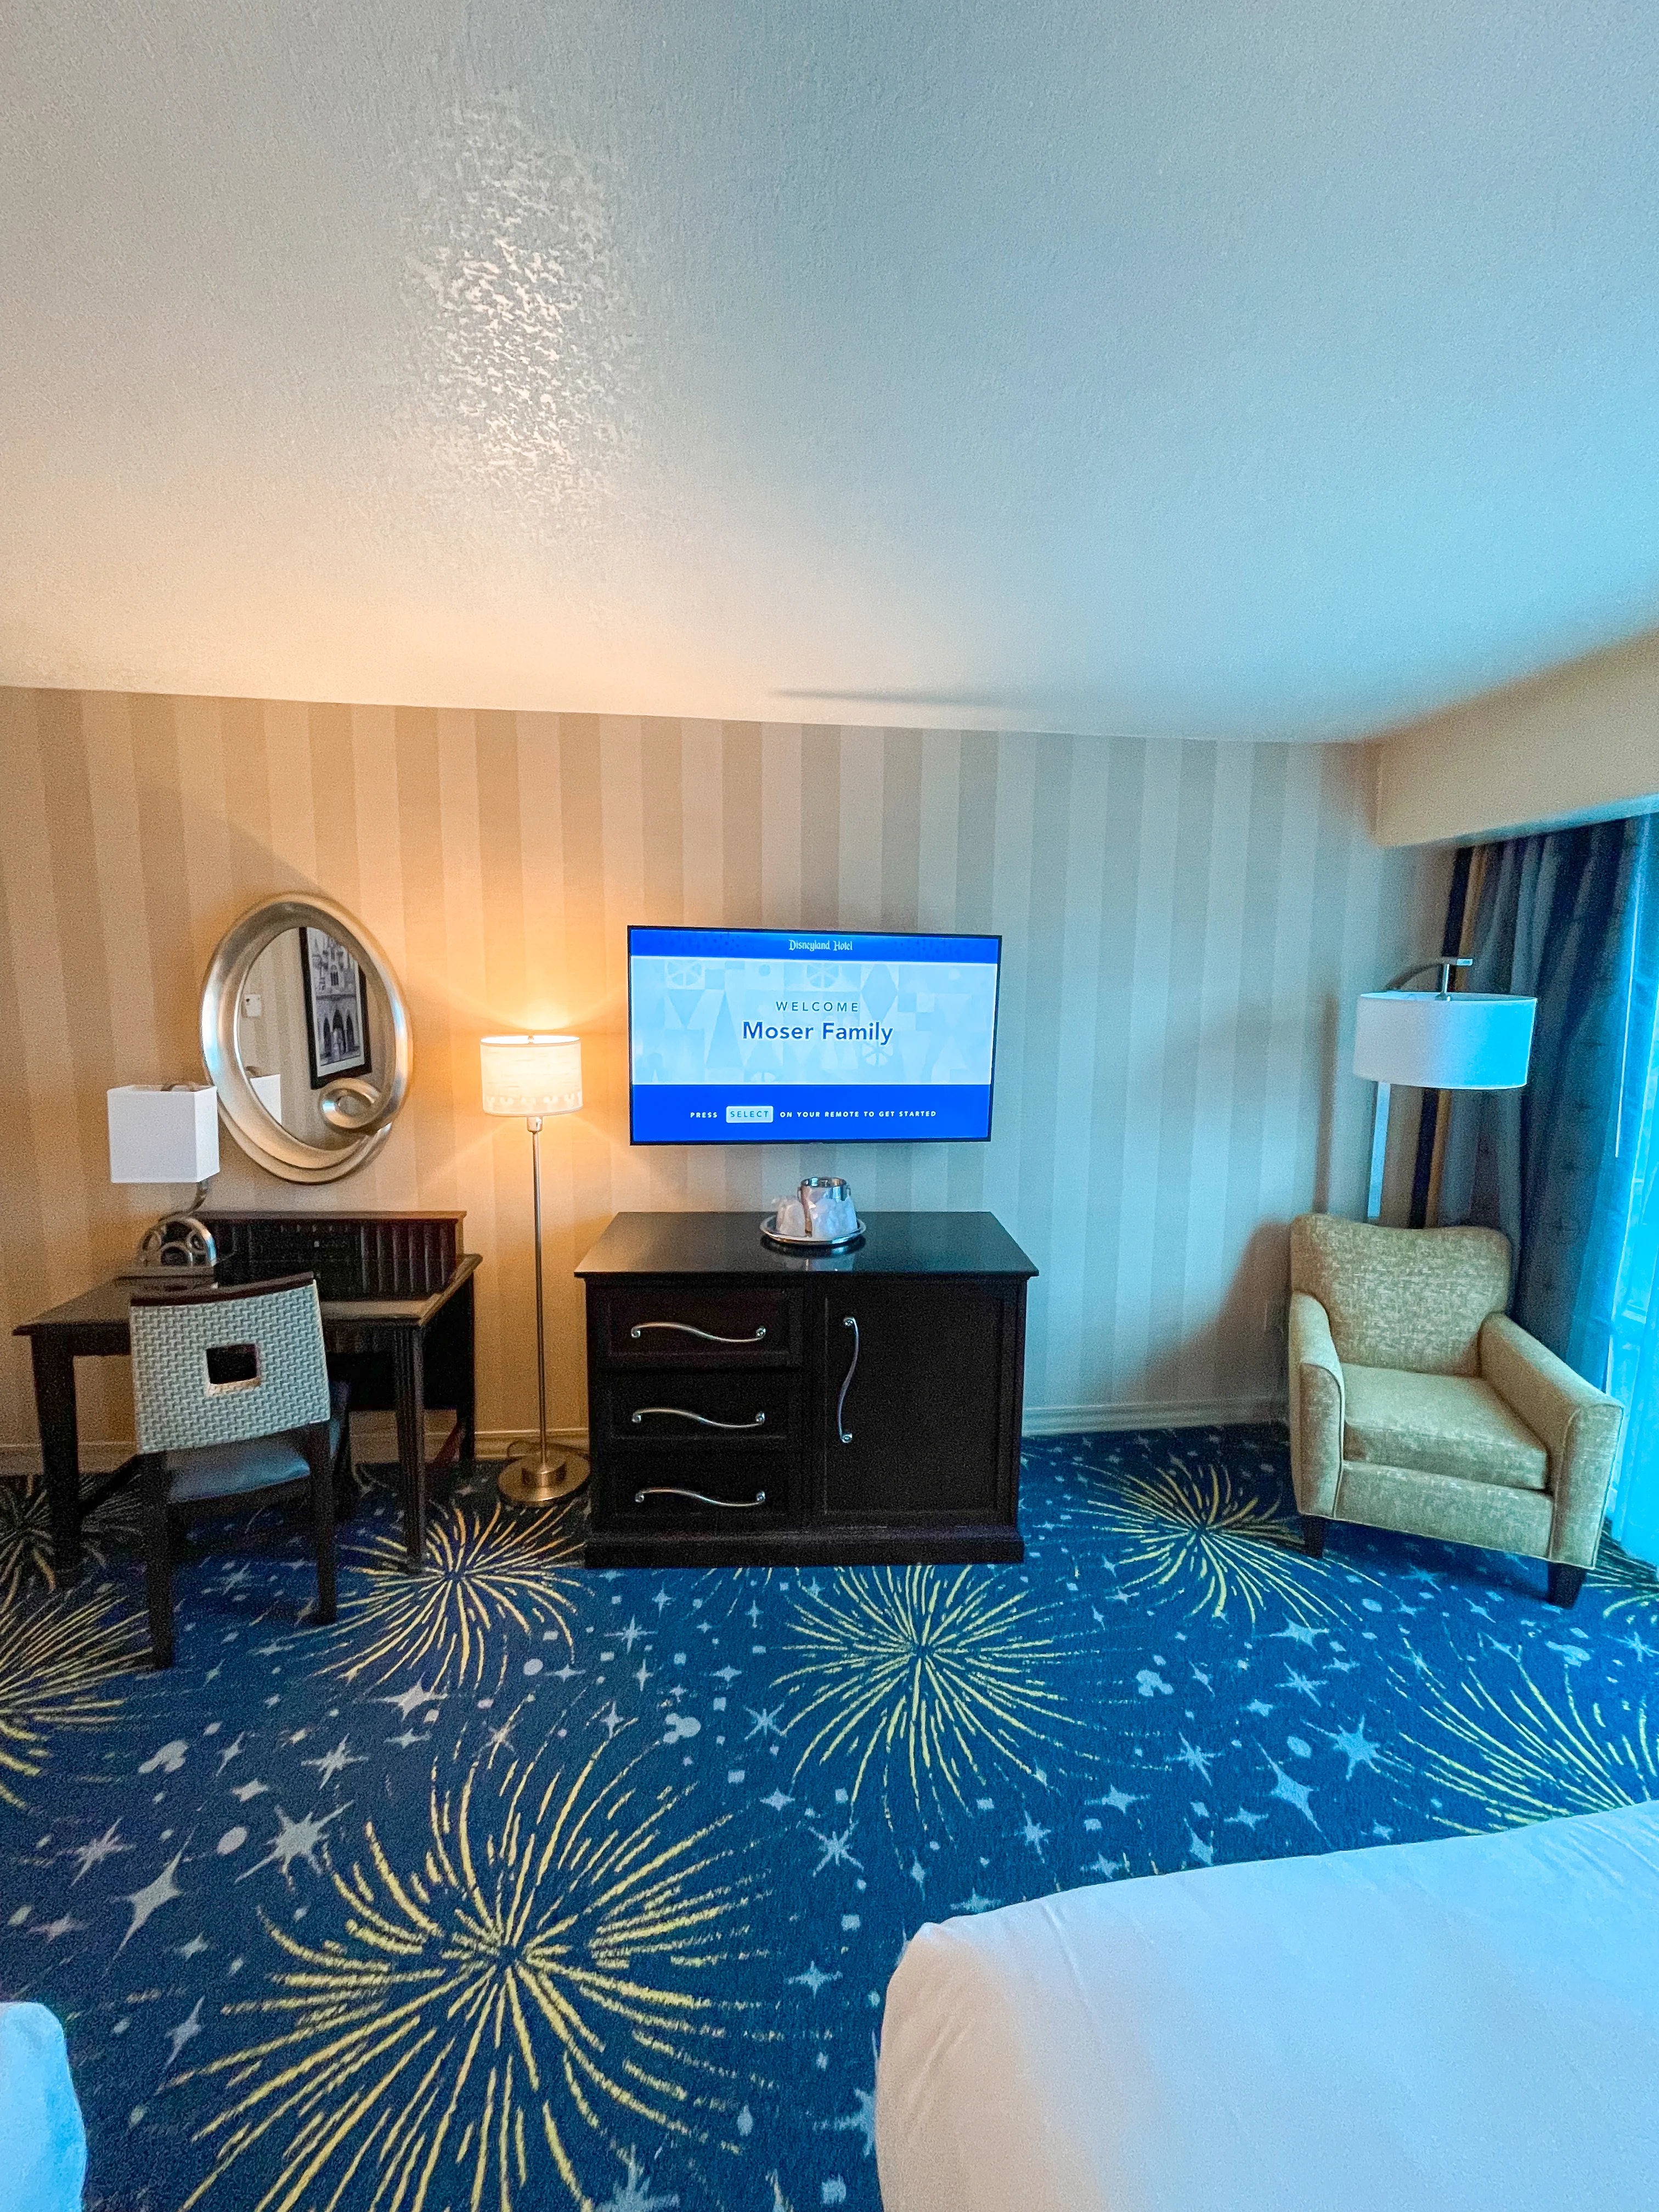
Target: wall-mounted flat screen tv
[[787, 1037]]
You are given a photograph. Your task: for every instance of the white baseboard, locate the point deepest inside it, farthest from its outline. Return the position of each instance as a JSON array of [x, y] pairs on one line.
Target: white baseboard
[[374, 1436], [22, 1462], [373, 1440], [496, 1443], [1188, 1413]]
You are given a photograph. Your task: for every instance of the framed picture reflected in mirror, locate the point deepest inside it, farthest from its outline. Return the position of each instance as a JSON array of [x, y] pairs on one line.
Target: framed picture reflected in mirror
[[336, 1009]]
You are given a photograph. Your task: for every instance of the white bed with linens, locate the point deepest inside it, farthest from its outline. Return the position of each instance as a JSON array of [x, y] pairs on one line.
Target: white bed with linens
[[1470, 2026]]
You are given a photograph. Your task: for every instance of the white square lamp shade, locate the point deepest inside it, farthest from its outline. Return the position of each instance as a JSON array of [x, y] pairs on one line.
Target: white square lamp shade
[[1460, 1041], [530, 1077], [268, 1089], [163, 1134]]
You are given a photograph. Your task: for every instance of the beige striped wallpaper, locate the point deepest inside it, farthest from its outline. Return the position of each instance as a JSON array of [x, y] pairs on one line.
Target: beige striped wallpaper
[[1185, 926]]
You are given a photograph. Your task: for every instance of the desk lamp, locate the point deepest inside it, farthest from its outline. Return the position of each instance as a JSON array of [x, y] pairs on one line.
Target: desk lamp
[[1441, 1040], [534, 1076], [167, 1134]]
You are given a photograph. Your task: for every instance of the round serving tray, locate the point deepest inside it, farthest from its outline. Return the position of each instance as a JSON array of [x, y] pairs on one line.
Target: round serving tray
[[820, 1244]]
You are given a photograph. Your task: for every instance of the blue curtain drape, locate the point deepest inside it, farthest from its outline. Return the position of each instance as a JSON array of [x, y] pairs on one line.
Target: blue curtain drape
[[1565, 1168]]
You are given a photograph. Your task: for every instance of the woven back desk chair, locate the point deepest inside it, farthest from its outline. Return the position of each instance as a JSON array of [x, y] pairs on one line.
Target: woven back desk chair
[[235, 1410]]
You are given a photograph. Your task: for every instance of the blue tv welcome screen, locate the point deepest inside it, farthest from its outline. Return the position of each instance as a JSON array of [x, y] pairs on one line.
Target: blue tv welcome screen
[[756, 1036]]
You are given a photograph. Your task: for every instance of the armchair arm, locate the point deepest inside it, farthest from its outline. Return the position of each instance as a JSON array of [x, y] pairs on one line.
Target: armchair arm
[[1317, 1406], [1577, 1423]]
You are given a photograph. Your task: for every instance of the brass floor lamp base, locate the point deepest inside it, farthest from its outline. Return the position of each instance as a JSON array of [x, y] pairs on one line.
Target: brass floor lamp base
[[529, 1479]]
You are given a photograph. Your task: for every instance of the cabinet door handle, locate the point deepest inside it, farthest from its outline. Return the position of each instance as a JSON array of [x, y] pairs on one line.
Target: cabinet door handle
[[703, 1420], [685, 1328], [847, 1320], [701, 1497]]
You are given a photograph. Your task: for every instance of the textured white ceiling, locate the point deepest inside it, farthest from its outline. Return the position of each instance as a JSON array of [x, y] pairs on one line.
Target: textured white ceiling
[[1204, 367]]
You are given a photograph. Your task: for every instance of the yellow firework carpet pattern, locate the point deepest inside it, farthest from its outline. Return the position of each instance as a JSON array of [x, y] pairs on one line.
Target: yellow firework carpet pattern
[[526, 1888]]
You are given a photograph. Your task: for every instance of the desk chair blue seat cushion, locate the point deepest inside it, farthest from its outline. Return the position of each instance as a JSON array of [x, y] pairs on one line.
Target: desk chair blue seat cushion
[[229, 1470], [43, 2144], [234, 1405]]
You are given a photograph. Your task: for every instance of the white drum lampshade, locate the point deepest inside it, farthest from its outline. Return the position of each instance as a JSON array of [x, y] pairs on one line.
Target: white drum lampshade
[[531, 1076], [1435, 1041], [1442, 1039]]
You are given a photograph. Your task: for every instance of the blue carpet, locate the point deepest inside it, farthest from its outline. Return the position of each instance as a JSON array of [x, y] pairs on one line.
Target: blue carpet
[[523, 1887]]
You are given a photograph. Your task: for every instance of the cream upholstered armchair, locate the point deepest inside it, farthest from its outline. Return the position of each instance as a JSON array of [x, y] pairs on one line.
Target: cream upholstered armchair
[[1416, 1404]]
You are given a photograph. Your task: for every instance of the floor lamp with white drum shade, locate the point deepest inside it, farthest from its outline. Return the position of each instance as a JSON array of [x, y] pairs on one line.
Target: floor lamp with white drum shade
[[1441, 1039], [534, 1076]]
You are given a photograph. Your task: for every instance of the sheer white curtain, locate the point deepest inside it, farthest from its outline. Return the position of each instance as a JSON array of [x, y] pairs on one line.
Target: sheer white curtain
[[1633, 1322]]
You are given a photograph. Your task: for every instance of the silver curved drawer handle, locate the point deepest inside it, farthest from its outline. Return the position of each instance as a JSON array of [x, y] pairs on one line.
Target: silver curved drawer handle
[[847, 1320], [685, 1328], [703, 1420], [701, 1497]]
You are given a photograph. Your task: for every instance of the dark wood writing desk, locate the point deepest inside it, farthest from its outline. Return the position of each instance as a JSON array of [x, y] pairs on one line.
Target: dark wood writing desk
[[396, 1350]]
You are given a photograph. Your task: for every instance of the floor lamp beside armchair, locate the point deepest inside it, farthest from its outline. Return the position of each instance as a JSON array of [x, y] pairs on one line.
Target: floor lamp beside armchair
[[534, 1077], [1416, 1403]]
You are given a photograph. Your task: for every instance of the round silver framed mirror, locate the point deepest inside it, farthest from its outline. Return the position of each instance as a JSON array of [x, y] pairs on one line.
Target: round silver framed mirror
[[306, 1036]]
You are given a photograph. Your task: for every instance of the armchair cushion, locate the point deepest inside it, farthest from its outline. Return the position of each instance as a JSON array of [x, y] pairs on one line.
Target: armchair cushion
[[1412, 1298], [1439, 1425]]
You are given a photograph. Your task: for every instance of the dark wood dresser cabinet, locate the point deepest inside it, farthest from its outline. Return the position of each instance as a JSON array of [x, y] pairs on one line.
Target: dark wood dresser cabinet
[[751, 1405]]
